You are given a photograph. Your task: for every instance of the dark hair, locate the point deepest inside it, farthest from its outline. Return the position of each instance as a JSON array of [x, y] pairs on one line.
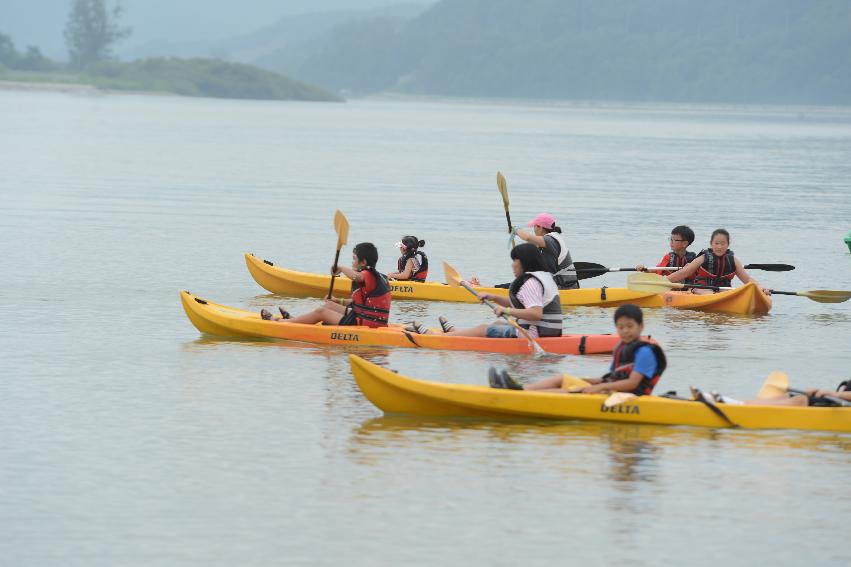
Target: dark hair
[[412, 242], [529, 256], [683, 231], [553, 228], [718, 231], [366, 252], [630, 311]]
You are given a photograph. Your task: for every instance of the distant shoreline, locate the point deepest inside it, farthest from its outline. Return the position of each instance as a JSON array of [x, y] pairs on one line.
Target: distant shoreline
[[47, 86], [611, 105]]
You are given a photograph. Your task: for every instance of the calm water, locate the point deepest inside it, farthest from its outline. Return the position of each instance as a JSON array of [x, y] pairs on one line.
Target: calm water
[[128, 439]]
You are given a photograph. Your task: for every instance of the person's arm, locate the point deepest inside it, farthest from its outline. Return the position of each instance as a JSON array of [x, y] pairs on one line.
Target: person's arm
[[662, 264], [531, 237], [349, 273], [626, 385], [688, 271], [528, 313], [746, 277], [498, 299], [644, 366], [844, 395], [404, 274]]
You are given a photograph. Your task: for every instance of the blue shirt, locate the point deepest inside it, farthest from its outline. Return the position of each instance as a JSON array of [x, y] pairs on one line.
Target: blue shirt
[[645, 362]]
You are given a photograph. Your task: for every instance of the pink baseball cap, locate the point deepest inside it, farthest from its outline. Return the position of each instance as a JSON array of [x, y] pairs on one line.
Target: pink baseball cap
[[544, 220]]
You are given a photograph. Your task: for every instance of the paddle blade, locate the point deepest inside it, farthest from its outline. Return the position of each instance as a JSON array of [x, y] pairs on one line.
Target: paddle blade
[[645, 282], [585, 270], [775, 386], [770, 267], [618, 398], [569, 382], [341, 225], [826, 295], [503, 188], [451, 275]]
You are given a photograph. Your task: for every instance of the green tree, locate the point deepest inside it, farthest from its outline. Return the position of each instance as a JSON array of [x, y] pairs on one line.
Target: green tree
[[92, 31]]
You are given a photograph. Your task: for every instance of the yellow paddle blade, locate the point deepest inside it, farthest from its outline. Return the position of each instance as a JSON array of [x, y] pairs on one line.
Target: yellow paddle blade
[[618, 398], [650, 283], [503, 188], [569, 382], [776, 385], [451, 275], [826, 295], [341, 225]]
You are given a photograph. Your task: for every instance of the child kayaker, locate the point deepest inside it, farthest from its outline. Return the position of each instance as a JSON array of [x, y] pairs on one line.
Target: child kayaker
[[413, 263], [715, 266], [547, 236], [814, 397], [679, 256], [533, 299], [636, 365], [370, 301]]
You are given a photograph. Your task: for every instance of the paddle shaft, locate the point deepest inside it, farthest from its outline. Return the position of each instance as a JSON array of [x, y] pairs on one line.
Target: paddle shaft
[[334, 275], [533, 342]]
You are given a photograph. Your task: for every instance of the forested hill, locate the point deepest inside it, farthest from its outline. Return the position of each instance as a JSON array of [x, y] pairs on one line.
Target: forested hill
[[742, 51]]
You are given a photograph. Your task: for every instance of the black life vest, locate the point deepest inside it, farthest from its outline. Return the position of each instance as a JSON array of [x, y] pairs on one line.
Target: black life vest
[[716, 270], [675, 261], [551, 321], [422, 272], [371, 308], [624, 360], [559, 265]]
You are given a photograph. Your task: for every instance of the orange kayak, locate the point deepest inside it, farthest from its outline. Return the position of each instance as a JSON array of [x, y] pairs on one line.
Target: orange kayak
[[215, 319]]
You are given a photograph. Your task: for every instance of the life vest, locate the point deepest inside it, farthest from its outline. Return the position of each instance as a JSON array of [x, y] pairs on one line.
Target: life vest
[[624, 360], [551, 322], [671, 260], [561, 265], [422, 272], [716, 270], [371, 299]]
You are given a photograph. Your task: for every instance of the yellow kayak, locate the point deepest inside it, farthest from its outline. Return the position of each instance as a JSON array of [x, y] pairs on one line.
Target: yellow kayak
[[396, 394], [215, 319], [744, 300]]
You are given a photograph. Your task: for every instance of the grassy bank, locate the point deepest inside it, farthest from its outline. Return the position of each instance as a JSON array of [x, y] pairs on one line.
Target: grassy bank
[[187, 77]]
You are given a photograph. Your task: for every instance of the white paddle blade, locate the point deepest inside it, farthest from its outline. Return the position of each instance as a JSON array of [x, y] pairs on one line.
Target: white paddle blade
[[646, 282], [618, 398], [775, 386]]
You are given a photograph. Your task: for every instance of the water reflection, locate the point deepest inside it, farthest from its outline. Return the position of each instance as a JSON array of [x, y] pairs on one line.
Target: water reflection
[[632, 450]]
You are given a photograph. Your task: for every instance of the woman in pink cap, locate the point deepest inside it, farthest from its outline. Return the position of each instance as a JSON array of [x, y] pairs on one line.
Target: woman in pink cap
[[547, 236]]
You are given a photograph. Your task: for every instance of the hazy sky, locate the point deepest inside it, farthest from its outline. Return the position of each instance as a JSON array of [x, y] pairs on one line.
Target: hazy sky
[[40, 22]]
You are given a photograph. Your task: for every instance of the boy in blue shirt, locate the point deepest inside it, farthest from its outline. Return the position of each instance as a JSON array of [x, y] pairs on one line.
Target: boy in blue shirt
[[636, 365]]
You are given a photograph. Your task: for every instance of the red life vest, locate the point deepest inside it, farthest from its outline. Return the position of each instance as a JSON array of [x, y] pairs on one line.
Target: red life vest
[[716, 270], [624, 360], [371, 299], [422, 272]]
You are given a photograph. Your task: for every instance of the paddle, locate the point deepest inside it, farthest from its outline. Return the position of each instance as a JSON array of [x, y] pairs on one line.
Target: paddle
[[654, 283], [617, 398], [585, 270], [453, 278], [503, 190], [341, 225], [777, 385]]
